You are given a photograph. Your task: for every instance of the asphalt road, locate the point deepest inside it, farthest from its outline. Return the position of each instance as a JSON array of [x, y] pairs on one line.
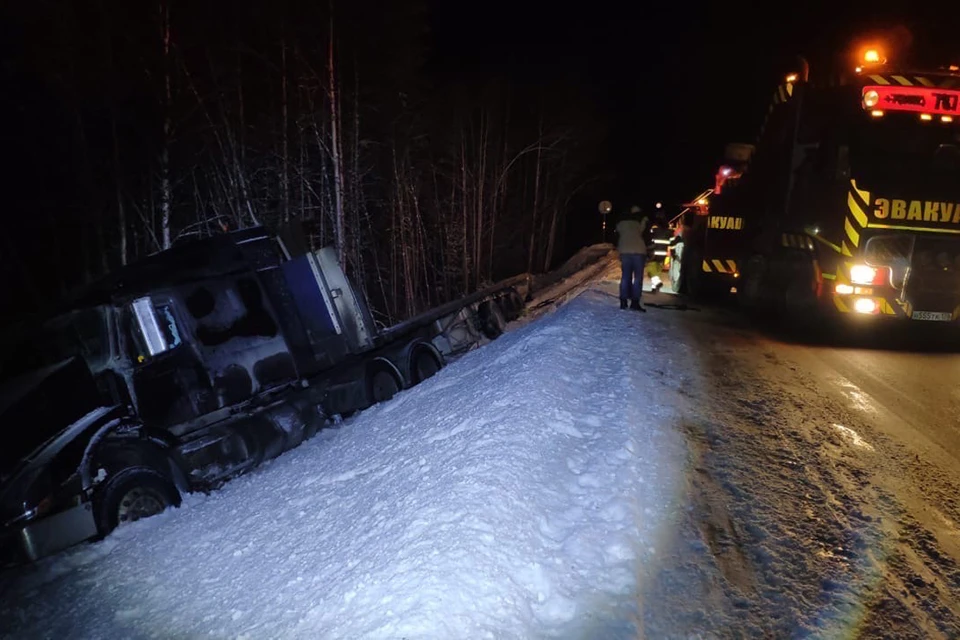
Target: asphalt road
[[827, 466]]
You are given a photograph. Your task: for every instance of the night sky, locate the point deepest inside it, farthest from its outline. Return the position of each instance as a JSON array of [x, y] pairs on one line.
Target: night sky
[[663, 85], [677, 80]]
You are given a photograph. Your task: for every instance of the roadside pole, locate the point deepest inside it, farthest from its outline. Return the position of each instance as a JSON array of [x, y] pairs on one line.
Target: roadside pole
[[605, 208]]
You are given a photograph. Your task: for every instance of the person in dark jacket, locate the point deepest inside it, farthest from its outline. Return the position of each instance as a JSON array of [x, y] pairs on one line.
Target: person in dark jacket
[[633, 255]]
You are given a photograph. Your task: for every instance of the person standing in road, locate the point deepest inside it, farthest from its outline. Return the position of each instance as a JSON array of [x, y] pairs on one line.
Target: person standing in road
[[633, 256]]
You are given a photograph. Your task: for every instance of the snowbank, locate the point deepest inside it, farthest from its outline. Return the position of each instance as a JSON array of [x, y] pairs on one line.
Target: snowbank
[[576, 266], [522, 492]]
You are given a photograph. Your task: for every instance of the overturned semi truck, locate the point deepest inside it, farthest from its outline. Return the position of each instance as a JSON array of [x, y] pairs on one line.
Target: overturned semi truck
[[192, 366]]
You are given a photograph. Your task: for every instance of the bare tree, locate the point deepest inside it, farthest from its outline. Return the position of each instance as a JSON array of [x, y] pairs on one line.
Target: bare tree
[[427, 191], [480, 187], [536, 197], [285, 152], [166, 190], [335, 147], [465, 208], [118, 189]]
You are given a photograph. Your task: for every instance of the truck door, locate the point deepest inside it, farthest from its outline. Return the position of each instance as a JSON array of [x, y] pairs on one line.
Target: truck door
[[169, 381], [238, 338]]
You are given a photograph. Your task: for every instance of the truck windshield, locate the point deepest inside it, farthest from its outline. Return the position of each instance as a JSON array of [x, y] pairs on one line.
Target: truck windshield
[[902, 252], [902, 153], [81, 333]]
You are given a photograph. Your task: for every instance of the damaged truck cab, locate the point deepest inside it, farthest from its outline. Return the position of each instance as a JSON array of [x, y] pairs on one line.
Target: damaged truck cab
[[184, 370]]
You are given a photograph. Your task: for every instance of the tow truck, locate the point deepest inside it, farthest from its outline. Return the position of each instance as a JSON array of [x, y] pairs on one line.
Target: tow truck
[[848, 202], [193, 366], [699, 257]]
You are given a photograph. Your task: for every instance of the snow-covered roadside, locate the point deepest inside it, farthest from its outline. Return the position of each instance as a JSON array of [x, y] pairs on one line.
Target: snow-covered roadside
[[528, 490]]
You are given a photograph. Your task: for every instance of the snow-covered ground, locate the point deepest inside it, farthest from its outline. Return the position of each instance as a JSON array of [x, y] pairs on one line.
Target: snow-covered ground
[[594, 473], [525, 491]]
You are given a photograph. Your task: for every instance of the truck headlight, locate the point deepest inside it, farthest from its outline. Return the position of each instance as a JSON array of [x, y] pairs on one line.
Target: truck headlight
[[865, 305], [862, 274]]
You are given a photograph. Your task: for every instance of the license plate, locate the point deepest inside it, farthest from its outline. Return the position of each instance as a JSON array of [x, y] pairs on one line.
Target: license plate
[[938, 316]]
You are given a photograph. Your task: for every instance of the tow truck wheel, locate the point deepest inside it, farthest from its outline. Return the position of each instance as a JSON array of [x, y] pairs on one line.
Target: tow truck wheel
[[750, 282], [694, 280], [799, 296], [133, 494], [383, 385]]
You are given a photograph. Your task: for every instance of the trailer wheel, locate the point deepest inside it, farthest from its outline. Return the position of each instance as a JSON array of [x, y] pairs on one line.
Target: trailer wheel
[[511, 304], [492, 322], [383, 385], [425, 365], [133, 494]]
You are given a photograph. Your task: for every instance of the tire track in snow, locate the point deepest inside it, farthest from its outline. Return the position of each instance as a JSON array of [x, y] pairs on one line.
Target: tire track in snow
[[718, 530], [910, 495], [881, 573], [792, 549]]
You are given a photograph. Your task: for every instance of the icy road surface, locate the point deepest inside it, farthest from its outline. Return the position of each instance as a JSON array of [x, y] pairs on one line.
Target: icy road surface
[[826, 477], [526, 491]]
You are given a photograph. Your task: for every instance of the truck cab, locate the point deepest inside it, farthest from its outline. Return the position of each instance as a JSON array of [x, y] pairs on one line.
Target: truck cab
[[195, 365], [178, 373]]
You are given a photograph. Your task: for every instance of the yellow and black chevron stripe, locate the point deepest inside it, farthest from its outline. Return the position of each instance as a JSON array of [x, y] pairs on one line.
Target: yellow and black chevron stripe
[[783, 93], [940, 82], [720, 266], [858, 203], [796, 241]]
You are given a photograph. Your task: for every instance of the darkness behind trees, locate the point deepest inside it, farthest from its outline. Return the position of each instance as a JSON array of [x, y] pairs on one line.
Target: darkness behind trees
[[439, 144], [134, 126]]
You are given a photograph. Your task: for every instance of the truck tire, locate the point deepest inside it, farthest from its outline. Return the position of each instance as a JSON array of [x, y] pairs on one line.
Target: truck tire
[[383, 385], [424, 365], [133, 494], [511, 304], [492, 322], [694, 280], [800, 305], [750, 293]]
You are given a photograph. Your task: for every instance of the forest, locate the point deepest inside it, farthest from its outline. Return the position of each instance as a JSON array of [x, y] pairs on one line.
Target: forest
[[135, 126]]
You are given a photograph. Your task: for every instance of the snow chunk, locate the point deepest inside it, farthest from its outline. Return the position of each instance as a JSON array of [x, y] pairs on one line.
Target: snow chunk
[[852, 437]]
